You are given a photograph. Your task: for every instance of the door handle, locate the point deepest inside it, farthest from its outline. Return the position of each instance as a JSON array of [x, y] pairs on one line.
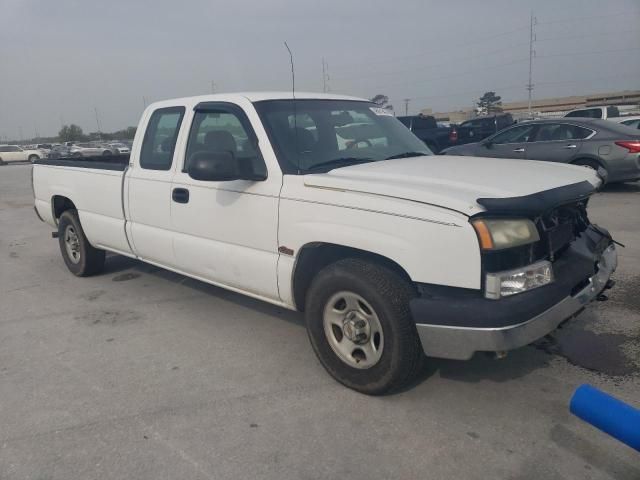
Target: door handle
[[519, 150], [180, 195], [571, 146]]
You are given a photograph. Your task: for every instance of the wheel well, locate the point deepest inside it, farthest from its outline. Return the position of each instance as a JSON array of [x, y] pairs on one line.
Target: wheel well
[[314, 257], [580, 159], [60, 204]]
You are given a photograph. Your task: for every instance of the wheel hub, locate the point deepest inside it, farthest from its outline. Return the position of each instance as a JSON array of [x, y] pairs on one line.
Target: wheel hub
[[356, 328]]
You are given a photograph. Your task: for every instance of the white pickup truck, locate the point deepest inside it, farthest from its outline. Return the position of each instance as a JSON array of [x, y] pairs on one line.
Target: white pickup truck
[[327, 204]]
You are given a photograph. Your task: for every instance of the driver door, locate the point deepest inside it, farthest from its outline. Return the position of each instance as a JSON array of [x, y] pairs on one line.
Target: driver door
[[510, 143], [226, 232]]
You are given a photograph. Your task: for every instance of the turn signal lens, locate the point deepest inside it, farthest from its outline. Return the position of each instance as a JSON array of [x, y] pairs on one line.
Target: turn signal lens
[[484, 236]]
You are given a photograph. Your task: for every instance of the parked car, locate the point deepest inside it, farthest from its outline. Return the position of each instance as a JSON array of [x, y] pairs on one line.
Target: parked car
[[88, 149], [479, 128], [45, 147], [390, 251], [119, 148], [632, 121], [605, 112], [592, 143], [15, 153], [60, 151], [427, 129]]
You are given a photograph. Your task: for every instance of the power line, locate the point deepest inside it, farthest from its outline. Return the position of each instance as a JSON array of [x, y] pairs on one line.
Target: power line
[[581, 19], [457, 74], [588, 35], [428, 52], [435, 65], [588, 53]]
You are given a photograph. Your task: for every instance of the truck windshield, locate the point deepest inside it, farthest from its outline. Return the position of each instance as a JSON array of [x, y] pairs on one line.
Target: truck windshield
[[328, 134]]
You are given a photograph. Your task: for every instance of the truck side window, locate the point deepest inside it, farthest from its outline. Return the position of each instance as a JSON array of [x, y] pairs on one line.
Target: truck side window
[[222, 130], [160, 138]]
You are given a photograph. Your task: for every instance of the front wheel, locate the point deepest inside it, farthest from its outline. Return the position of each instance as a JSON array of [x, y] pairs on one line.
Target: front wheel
[[33, 158], [81, 258], [360, 327]]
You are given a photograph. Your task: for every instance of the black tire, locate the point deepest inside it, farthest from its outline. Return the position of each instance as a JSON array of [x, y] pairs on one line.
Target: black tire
[[107, 152], [89, 260], [389, 295], [33, 158]]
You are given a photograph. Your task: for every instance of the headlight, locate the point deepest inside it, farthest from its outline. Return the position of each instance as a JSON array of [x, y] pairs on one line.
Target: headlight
[[503, 284], [496, 234]]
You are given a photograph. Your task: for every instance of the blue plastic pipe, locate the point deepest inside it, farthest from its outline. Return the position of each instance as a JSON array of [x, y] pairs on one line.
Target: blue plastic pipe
[[608, 414]]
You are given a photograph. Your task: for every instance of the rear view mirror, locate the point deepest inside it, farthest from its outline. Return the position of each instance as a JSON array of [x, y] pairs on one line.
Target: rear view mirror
[[213, 166]]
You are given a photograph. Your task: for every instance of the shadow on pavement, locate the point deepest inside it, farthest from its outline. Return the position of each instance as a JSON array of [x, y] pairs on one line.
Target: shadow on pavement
[[628, 187]]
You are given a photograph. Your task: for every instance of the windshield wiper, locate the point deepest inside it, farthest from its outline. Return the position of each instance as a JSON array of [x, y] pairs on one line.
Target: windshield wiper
[[407, 155], [339, 162]]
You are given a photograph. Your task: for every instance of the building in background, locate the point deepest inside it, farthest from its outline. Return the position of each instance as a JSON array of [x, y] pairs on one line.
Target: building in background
[[628, 100]]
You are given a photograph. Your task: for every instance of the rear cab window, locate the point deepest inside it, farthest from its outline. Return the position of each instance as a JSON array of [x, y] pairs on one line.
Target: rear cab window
[[160, 138]]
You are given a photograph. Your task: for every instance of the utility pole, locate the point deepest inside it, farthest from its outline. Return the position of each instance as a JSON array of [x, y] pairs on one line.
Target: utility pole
[[325, 76], [213, 86], [406, 106], [532, 54], [98, 122], [20, 131], [144, 101]]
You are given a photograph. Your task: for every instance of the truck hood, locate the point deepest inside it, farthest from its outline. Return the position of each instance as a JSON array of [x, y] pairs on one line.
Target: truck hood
[[453, 182]]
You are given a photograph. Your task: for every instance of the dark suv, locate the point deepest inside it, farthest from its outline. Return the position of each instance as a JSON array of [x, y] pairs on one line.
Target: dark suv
[[480, 128]]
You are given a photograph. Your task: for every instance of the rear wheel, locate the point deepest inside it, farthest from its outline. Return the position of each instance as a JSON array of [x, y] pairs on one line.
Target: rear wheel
[[81, 258], [360, 327]]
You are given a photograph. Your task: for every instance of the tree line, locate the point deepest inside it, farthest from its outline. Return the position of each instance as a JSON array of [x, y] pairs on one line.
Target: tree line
[[74, 133]]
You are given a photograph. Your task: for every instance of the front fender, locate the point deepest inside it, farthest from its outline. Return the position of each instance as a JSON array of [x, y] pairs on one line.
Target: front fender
[[430, 251]]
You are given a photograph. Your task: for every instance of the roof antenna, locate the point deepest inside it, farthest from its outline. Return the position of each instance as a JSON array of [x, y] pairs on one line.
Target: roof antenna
[[295, 116]]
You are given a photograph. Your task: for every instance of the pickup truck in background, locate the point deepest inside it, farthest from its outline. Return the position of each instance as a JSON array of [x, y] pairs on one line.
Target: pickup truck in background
[[328, 205], [425, 127], [479, 128]]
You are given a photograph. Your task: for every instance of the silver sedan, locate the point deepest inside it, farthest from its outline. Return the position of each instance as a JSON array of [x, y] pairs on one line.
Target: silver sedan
[[589, 142]]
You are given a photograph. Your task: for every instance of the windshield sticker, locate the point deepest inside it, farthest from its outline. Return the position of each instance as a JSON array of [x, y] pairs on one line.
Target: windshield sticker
[[381, 111]]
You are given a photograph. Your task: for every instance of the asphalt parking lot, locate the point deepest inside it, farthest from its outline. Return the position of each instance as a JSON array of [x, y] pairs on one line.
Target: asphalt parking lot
[[142, 373]]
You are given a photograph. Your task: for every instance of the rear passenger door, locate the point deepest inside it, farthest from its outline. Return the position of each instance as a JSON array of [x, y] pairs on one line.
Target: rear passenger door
[[148, 186], [226, 232], [557, 142]]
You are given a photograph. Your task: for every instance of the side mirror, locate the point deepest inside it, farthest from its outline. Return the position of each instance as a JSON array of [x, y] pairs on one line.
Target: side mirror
[[213, 166], [487, 143]]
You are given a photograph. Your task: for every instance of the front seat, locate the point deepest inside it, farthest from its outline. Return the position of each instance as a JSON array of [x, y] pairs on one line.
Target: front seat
[[220, 141]]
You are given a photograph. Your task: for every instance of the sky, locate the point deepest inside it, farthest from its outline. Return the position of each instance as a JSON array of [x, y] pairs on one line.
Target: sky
[[63, 60]]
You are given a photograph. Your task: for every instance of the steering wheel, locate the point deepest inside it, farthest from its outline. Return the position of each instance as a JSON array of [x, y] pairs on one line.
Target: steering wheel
[[354, 143]]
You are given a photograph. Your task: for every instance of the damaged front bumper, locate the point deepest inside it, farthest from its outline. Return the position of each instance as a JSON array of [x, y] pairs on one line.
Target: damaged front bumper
[[468, 323]]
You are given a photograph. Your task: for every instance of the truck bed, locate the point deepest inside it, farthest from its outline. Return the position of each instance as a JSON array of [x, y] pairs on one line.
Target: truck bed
[[94, 186], [100, 162]]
